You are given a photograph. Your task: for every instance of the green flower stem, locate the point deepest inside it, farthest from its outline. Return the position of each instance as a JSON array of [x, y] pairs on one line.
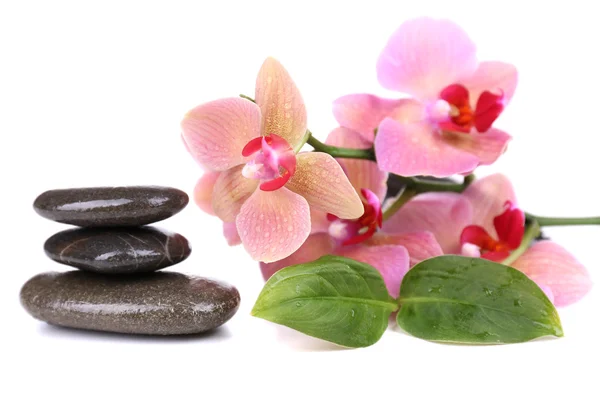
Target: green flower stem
[[243, 96], [422, 185], [406, 195], [552, 221], [340, 152], [531, 232]]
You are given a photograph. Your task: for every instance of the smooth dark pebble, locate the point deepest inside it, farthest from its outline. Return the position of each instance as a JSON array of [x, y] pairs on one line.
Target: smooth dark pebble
[[159, 303], [117, 250], [110, 206]]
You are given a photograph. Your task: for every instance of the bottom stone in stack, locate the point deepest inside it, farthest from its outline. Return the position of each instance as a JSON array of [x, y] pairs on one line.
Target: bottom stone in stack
[[160, 303]]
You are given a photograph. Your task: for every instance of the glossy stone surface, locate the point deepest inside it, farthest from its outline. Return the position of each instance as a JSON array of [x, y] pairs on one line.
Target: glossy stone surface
[[159, 303], [110, 206], [117, 250]]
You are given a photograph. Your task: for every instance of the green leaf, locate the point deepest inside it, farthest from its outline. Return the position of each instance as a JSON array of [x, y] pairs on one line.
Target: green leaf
[[333, 298], [472, 300]]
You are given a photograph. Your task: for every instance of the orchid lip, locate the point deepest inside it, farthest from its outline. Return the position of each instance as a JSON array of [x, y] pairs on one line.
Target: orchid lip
[[274, 161], [460, 116], [509, 226]]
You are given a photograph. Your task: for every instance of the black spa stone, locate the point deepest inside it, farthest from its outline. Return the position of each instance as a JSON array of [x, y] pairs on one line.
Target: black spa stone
[[110, 206], [117, 250], [160, 303]]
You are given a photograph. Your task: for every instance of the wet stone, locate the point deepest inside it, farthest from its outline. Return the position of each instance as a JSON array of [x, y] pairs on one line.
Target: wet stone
[[110, 206], [160, 303], [117, 250]]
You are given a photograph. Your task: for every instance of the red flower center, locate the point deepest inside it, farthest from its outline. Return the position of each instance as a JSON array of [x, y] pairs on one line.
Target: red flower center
[[510, 228], [274, 161], [462, 116], [349, 232]]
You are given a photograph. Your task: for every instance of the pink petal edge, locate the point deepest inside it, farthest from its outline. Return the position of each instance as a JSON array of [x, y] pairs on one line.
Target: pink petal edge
[[231, 234], [424, 56], [316, 246], [420, 245], [391, 261], [282, 107], [216, 132], [443, 214], [494, 76], [320, 179], [417, 149], [487, 147], [364, 112], [230, 192], [549, 264], [203, 191], [273, 225], [362, 174]]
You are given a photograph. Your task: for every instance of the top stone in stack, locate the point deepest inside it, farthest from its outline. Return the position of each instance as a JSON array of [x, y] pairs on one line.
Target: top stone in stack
[[110, 207]]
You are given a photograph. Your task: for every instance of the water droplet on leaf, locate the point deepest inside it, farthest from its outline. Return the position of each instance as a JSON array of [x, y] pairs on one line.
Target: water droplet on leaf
[[518, 303]]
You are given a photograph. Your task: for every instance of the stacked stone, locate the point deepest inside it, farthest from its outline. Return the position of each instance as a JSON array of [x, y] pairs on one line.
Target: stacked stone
[[117, 288]]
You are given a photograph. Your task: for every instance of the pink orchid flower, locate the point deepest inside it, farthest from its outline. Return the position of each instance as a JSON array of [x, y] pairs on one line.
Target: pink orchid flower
[[484, 221], [446, 127], [263, 185], [391, 255]]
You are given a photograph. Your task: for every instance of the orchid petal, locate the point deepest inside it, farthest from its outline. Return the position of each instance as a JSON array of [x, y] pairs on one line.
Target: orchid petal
[[488, 109], [216, 132], [478, 236], [362, 174], [488, 197], [494, 76], [364, 112], [487, 147], [417, 149], [420, 245], [272, 225], [282, 107], [321, 180], [391, 261], [510, 226], [231, 234], [551, 265], [204, 190], [547, 291], [318, 221], [316, 246], [424, 56], [443, 214], [231, 190], [496, 256]]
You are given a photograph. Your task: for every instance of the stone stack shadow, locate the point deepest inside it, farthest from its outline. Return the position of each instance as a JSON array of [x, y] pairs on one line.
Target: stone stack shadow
[[116, 287]]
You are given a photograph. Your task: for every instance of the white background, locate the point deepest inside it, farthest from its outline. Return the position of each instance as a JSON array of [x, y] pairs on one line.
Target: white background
[[91, 93]]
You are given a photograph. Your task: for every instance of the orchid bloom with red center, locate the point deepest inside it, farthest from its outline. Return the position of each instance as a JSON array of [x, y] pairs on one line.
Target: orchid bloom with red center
[[358, 238], [510, 228], [484, 221], [446, 127], [259, 182]]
